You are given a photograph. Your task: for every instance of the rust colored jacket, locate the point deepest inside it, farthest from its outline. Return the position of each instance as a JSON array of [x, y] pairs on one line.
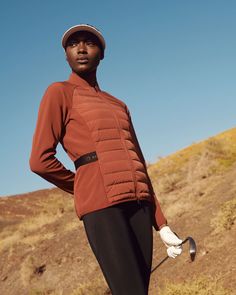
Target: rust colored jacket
[[85, 119]]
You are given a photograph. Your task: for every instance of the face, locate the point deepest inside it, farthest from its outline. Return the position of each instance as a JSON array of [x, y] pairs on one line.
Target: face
[[83, 52]]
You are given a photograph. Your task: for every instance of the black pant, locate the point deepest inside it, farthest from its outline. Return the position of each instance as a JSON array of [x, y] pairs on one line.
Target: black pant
[[121, 239]]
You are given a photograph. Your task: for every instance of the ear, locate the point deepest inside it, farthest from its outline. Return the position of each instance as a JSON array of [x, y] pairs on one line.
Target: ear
[[102, 55]]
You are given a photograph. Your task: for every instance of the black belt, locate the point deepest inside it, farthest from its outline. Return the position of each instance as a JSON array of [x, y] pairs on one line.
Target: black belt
[[85, 159]]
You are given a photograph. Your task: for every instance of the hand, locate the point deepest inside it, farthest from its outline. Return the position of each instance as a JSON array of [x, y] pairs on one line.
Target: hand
[[172, 242], [174, 251]]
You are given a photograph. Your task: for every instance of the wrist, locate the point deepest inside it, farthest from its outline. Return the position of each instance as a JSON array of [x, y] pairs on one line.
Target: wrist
[[163, 225]]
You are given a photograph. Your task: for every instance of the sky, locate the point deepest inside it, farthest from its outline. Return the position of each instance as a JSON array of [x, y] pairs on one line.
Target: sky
[[172, 62]]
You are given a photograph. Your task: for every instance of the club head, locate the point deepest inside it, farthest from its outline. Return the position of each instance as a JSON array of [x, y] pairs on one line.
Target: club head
[[192, 247], [192, 252]]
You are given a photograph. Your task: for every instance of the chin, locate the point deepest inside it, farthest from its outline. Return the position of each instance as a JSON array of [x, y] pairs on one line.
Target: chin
[[81, 71]]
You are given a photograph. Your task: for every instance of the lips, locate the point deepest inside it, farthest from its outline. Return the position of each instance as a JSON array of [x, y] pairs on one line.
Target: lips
[[82, 60]]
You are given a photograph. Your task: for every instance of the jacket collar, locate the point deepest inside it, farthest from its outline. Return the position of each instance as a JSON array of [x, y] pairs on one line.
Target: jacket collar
[[77, 80]]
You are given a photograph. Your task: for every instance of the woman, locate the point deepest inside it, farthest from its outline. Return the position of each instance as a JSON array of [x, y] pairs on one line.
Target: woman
[[112, 191]]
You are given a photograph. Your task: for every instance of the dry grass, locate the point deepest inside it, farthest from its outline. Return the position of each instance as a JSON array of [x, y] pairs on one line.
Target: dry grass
[[194, 163], [95, 287], [197, 286], [168, 182], [8, 239], [219, 149], [72, 225], [30, 231], [225, 217], [15, 236], [33, 240], [38, 228], [37, 222], [44, 292], [27, 270], [57, 204], [22, 234]]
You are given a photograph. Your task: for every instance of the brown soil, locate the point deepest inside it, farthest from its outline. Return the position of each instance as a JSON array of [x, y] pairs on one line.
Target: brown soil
[[44, 250]]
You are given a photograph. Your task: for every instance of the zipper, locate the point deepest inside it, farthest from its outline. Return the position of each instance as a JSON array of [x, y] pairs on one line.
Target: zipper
[[122, 139]]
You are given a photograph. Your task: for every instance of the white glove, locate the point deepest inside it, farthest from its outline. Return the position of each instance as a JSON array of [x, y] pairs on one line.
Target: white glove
[[174, 251], [172, 242]]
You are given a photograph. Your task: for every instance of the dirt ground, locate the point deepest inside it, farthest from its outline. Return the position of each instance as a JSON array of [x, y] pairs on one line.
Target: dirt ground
[[44, 250]]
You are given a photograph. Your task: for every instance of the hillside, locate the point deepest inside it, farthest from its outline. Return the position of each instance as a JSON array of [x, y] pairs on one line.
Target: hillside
[[44, 250]]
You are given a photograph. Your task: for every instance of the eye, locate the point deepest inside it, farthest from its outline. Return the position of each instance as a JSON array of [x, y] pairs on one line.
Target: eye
[[72, 43], [90, 42]]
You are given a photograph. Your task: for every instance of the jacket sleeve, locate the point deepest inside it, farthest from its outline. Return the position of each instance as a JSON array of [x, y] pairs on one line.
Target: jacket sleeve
[[159, 219], [52, 117]]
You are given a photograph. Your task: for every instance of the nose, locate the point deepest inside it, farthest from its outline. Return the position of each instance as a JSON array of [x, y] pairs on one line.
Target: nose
[[81, 48]]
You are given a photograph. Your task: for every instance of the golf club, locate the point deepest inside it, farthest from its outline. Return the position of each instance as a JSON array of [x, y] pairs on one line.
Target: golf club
[[192, 252]]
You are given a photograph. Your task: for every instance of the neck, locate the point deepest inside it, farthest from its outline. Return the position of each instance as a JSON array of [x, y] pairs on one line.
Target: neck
[[91, 78]]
